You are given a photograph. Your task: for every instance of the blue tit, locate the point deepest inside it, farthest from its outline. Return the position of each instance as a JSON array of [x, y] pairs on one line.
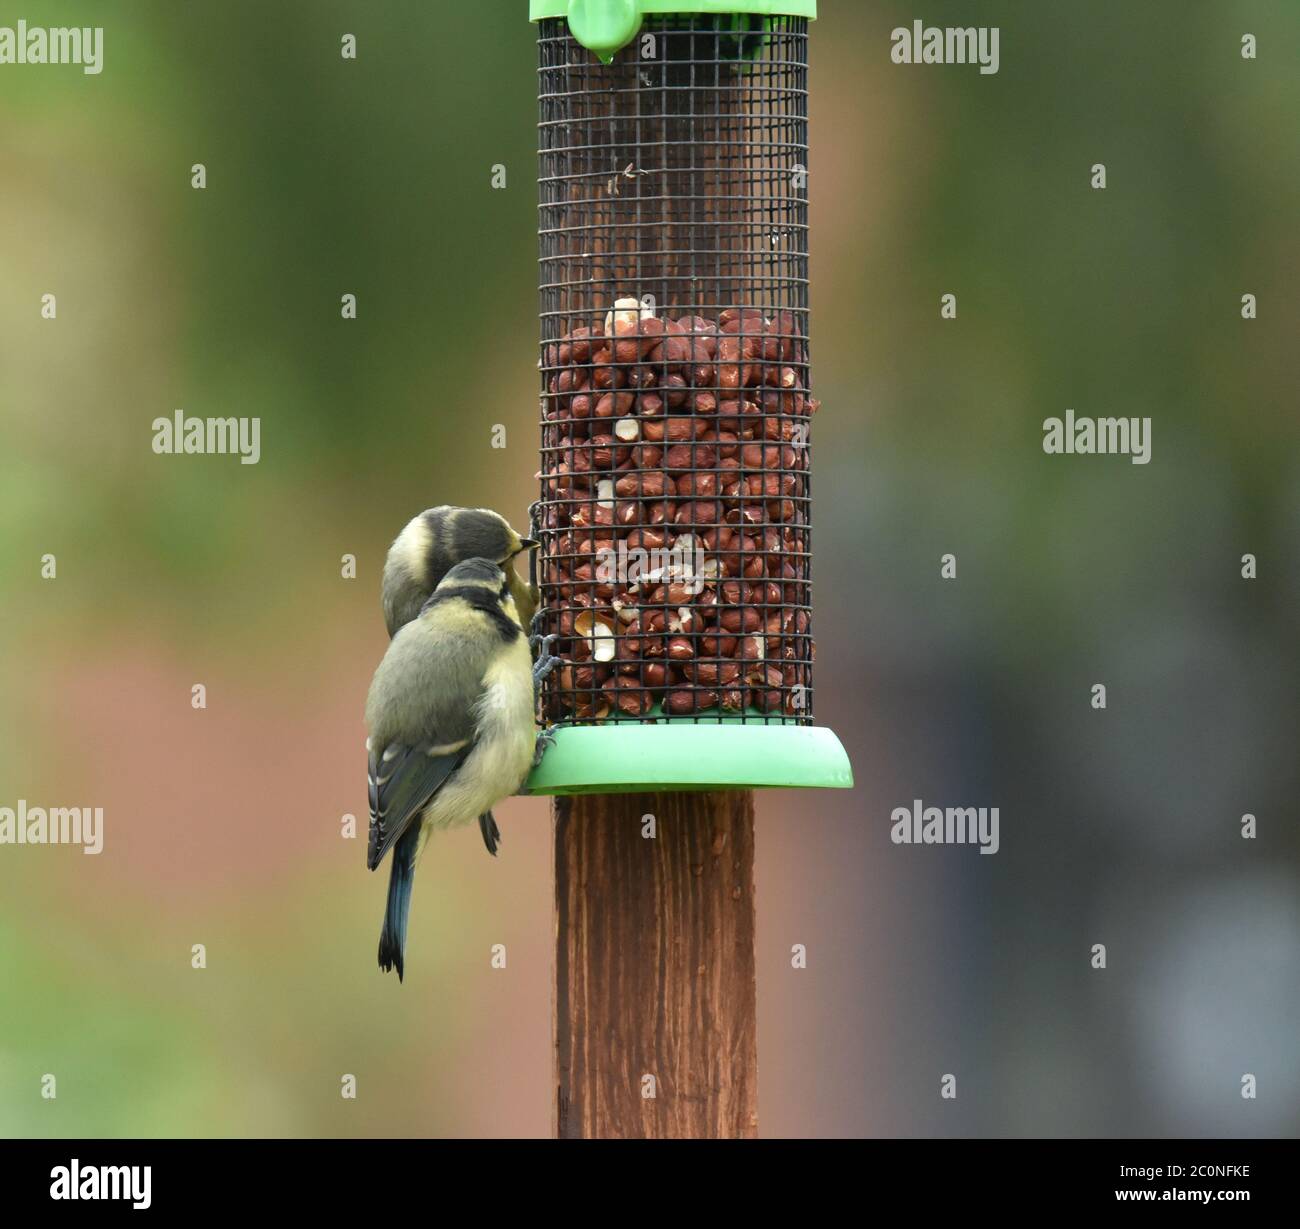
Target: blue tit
[[434, 542], [450, 716]]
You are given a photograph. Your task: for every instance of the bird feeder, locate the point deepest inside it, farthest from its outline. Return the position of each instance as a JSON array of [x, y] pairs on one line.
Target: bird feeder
[[675, 566]]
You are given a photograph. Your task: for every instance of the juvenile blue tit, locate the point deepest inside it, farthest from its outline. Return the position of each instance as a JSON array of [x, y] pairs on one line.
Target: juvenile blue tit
[[450, 715], [438, 539]]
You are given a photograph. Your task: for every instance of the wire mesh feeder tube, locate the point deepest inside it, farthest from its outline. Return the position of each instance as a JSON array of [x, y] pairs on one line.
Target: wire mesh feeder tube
[[676, 404]]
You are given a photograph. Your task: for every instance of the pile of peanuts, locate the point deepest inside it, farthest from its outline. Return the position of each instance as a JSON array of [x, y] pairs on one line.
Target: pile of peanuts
[[675, 515]]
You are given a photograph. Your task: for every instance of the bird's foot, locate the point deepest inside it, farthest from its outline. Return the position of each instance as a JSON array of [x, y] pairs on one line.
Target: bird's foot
[[546, 662], [545, 738]]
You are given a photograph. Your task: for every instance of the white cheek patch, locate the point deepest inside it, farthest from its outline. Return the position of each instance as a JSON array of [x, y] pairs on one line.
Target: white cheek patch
[[412, 547]]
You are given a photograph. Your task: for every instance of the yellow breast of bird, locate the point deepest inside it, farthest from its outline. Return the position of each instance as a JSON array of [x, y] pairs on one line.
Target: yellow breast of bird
[[503, 744]]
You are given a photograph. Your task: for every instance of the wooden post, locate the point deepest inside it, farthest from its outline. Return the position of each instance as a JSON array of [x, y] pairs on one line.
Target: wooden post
[[654, 977]]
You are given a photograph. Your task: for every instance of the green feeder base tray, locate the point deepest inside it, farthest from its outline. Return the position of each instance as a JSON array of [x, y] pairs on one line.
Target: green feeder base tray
[[631, 758]]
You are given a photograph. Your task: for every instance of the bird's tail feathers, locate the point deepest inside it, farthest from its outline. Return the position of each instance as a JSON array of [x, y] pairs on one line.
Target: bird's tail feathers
[[401, 879]]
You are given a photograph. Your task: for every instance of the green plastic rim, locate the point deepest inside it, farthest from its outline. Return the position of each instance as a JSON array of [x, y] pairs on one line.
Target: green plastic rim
[[605, 27], [538, 10], [630, 758]]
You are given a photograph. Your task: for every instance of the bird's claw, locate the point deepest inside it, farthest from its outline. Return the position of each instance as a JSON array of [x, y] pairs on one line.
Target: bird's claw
[[546, 661], [545, 738]]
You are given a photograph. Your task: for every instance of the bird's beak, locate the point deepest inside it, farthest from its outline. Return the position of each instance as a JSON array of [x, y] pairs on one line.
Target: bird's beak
[[528, 544]]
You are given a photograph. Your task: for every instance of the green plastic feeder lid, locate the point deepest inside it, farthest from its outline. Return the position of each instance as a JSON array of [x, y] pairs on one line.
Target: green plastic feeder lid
[[607, 26], [627, 757]]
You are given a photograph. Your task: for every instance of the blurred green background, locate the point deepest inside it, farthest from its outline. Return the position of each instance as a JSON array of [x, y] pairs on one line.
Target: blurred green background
[[373, 177]]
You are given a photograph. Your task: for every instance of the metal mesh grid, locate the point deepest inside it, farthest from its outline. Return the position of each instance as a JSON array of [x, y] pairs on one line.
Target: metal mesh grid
[[675, 564]]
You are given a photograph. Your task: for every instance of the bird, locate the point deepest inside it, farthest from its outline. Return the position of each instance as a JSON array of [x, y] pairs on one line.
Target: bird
[[451, 728], [436, 540]]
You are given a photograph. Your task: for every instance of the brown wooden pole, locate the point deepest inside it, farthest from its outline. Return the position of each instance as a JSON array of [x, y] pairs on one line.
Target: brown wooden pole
[[654, 978]]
